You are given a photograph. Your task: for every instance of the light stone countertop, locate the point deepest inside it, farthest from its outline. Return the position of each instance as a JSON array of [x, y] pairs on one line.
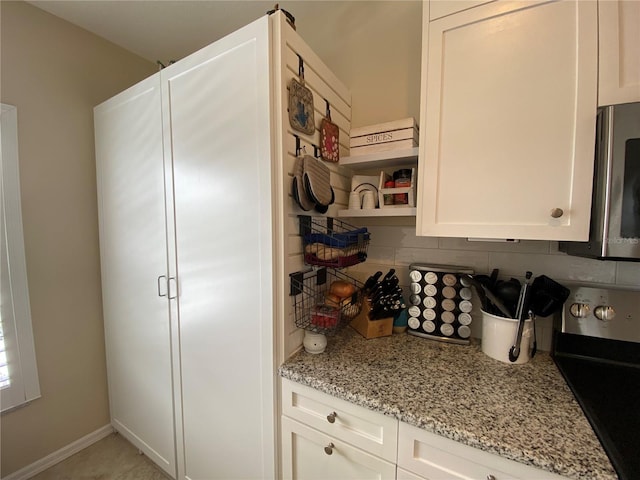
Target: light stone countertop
[[525, 413]]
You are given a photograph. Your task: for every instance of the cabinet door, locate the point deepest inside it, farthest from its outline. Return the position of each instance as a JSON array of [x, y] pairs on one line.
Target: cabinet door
[[619, 51], [133, 249], [217, 137], [508, 121], [308, 454]]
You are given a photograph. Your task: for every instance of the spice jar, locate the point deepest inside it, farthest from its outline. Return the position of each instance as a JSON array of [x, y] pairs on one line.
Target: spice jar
[[402, 179], [388, 197]]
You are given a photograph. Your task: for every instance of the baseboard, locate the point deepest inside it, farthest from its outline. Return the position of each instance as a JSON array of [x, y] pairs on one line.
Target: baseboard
[[60, 455]]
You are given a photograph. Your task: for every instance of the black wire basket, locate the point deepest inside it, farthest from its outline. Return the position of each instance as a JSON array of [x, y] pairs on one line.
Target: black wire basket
[[316, 309], [329, 242]]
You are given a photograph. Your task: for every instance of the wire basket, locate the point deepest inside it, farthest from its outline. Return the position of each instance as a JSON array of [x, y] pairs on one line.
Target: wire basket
[[317, 311], [329, 242]]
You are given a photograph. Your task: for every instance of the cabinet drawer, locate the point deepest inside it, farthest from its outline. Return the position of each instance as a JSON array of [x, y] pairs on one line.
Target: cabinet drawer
[[434, 457], [370, 431], [309, 454], [402, 474]]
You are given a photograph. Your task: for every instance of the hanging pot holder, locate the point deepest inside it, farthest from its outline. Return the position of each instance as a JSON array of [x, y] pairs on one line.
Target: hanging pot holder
[[298, 189], [317, 181], [329, 138], [301, 104]]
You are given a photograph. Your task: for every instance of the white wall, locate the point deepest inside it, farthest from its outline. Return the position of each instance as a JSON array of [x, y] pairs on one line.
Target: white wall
[[395, 245]]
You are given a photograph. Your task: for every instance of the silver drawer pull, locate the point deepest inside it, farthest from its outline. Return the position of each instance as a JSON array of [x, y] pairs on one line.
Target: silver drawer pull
[[329, 449], [331, 418], [173, 292], [160, 294]]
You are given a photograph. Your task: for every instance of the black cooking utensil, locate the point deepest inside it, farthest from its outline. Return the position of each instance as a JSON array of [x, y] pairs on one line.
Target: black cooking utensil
[[521, 312], [480, 292], [484, 280], [547, 296], [534, 348], [494, 278], [485, 293], [508, 291]]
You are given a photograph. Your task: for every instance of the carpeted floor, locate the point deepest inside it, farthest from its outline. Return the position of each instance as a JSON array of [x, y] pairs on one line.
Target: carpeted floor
[[112, 458]]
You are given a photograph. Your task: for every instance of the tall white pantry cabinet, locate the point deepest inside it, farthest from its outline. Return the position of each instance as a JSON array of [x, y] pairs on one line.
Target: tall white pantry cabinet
[[194, 169]]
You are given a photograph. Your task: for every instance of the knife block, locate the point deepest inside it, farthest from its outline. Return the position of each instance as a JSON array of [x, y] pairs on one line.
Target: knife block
[[382, 327]]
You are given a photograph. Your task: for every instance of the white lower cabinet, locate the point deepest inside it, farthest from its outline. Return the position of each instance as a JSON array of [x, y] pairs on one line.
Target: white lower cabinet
[[424, 455], [403, 474], [325, 437], [311, 454]]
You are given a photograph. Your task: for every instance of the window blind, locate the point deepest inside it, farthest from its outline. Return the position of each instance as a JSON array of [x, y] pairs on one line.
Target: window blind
[[18, 371]]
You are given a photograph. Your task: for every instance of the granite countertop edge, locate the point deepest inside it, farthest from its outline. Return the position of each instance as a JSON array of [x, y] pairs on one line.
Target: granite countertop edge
[[328, 373]]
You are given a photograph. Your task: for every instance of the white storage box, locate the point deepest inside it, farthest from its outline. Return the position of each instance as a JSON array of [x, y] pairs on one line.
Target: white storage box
[[399, 134], [409, 191]]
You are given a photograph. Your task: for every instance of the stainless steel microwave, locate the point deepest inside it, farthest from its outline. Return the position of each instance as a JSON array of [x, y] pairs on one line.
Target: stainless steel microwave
[[615, 213]]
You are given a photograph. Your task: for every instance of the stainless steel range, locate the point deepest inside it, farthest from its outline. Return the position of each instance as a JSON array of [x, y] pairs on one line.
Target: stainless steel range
[[597, 349]]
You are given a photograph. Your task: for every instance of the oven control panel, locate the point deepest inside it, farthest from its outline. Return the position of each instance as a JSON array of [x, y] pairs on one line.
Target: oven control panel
[[603, 313]]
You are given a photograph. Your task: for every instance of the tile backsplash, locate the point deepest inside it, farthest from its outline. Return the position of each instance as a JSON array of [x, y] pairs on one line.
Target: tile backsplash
[[397, 246]]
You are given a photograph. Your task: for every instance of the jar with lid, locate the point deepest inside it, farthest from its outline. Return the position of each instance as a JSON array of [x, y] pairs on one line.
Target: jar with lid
[[401, 179], [388, 198]]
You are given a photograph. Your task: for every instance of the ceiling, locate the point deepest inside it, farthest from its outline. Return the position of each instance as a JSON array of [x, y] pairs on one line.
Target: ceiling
[[164, 30]]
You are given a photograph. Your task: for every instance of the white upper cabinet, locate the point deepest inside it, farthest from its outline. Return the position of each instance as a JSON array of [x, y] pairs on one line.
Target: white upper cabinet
[[442, 8], [508, 121], [619, 52]]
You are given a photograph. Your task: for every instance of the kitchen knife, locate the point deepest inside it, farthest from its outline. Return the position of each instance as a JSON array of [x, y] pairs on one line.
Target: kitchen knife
[[371, 281]]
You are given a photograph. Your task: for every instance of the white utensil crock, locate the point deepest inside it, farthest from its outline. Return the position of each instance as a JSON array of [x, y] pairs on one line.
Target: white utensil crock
[[498, 335]]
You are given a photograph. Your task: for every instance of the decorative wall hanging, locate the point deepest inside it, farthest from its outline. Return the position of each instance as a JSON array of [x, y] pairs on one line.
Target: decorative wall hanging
[[329, 138], [301, 103]]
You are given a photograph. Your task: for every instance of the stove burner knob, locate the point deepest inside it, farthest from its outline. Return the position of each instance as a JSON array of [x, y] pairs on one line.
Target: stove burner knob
[[604, 313], [579, 310]]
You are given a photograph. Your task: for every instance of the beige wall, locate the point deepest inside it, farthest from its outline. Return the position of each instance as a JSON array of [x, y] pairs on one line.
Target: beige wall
[[54, 73], [373, 47]]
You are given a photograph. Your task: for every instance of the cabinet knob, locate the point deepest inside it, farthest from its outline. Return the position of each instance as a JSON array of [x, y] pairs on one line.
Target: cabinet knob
[[491, 477], [329, 449], [331, 418], [557, 212]]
